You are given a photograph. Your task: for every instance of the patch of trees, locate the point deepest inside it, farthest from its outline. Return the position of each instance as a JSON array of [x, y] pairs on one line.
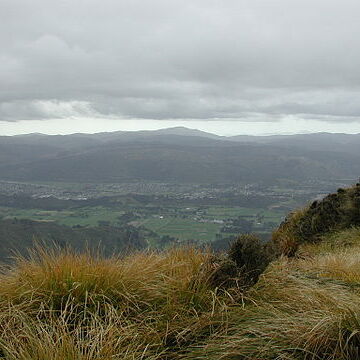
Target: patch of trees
[[19, 235]]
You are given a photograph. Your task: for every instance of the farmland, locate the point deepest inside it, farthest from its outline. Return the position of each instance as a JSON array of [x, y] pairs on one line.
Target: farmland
[[200, 224], [164, 213]]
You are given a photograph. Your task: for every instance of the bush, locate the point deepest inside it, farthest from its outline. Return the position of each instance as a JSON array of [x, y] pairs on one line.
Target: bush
[[335, 212], [247, 258], [250, 256], [225, 273]]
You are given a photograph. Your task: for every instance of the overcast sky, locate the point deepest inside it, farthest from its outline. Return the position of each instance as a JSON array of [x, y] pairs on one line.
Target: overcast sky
[[243, 66]]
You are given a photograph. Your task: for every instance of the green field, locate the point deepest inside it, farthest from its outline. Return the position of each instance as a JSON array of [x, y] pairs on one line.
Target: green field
[[183, 229], [222, 212], [88, 216], [182, 223]]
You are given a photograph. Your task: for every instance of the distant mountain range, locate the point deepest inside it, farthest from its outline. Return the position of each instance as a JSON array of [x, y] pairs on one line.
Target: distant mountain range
[[178, 155]]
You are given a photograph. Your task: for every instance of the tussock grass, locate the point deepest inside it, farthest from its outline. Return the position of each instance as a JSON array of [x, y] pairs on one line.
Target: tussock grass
[[302, 308], [136, 283], [289, 316], [336, 257], [62, 305]]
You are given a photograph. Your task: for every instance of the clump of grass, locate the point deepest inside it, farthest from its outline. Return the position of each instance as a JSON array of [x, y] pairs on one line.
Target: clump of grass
[[289, 315], [333, 242], [94, 336], [336, 257], [302, 308], [61, 305]]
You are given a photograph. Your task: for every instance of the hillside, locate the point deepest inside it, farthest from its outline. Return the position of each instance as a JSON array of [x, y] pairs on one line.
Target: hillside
[[192, 304], [178, 155], [20, 235]]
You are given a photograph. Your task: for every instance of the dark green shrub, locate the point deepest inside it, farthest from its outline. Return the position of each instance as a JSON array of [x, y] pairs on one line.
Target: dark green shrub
[[247, 258], [335, 212], [225, 273], [250, 256]]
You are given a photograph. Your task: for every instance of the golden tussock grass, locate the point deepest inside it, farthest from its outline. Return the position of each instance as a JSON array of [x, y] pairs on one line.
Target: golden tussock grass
[[62, 305], [304, 308]]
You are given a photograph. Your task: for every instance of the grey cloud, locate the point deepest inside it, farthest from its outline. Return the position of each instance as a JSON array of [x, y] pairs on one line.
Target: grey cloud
[[44, 109], [169, 59]]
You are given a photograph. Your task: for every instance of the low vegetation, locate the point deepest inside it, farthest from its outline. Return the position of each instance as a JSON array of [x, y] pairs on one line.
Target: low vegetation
[[300, 309], [296, 298], [62, 305]]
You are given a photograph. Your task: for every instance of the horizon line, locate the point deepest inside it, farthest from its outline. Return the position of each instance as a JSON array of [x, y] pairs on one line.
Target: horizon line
[[178, 127]]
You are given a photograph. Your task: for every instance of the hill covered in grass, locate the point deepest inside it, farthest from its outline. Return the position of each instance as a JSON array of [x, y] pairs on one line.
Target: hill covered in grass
[[294, 298]]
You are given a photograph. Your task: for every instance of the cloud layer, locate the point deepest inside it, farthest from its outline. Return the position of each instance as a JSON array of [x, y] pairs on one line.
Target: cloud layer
[[248, 60]]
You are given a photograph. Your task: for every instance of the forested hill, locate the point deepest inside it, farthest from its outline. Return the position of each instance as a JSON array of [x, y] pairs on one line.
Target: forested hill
[[178, 155], [17, 236]]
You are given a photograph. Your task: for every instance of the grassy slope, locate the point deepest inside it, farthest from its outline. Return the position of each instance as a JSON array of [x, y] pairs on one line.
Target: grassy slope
[[303, 308], [57, 305]]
